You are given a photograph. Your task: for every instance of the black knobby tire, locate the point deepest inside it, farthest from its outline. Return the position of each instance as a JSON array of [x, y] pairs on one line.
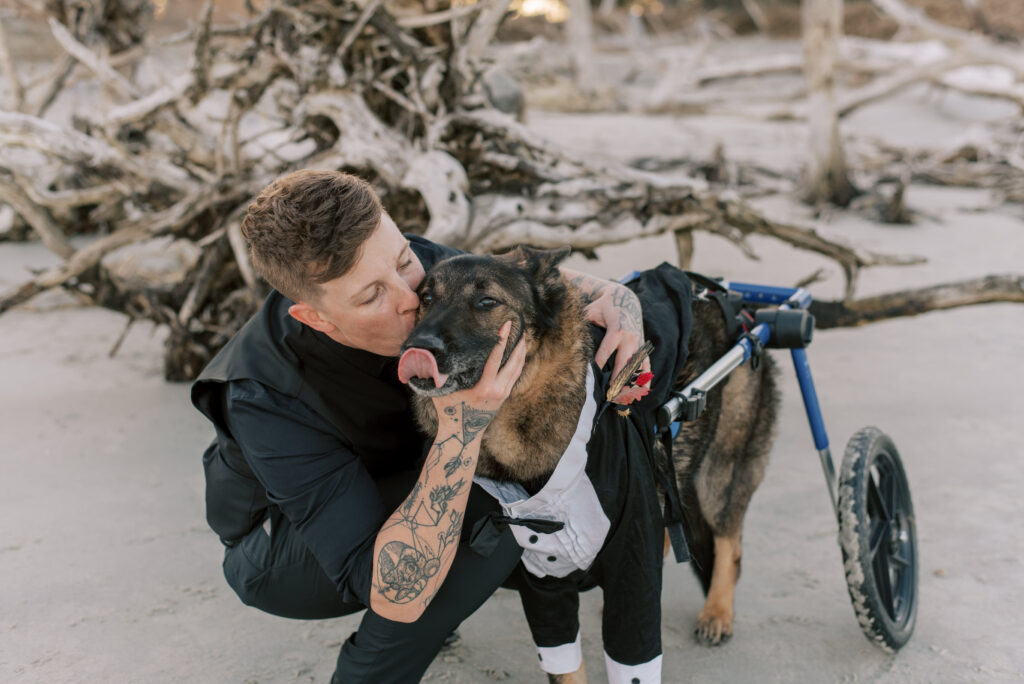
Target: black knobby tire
[[878, 536]]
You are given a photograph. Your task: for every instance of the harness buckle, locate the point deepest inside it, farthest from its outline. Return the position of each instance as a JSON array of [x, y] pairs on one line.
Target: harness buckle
[[756, 349]]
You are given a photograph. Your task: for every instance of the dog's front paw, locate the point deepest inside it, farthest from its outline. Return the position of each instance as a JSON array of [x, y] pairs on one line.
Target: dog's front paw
[[713, 627]]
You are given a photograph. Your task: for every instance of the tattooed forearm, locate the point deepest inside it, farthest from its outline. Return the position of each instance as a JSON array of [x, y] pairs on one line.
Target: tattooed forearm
[[625, 301], [417, 543], [630, 314], [591, 288]]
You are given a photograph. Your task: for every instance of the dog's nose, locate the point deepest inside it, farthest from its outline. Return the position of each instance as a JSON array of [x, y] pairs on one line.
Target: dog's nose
[[432, 343]]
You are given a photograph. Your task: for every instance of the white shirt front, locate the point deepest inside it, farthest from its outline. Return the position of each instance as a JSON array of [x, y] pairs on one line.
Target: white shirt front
[[568, 497]]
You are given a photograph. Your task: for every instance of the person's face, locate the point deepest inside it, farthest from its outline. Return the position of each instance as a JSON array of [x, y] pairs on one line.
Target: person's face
[[373, 306]]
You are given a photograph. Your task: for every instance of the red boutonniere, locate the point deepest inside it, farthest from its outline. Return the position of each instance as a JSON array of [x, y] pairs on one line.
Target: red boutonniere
[[631, 384]]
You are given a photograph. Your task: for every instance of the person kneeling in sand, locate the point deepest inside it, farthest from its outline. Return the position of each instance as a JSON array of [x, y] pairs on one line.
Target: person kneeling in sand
[[326, 497]]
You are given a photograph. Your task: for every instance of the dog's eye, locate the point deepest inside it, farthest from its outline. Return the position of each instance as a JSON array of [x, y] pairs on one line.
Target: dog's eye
[[486, 303], [426, 298]]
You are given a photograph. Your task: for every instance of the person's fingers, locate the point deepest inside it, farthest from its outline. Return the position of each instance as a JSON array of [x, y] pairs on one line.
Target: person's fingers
[[594, 313], [494, 359], [515, 360], [627, 347], [513, 368], [608, 345]]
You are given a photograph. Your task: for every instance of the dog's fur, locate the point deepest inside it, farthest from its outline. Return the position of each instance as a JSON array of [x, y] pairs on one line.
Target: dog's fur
[[719, 459]]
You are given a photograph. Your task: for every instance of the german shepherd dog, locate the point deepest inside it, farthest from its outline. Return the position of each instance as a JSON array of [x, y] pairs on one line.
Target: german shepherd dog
[[719, 459]]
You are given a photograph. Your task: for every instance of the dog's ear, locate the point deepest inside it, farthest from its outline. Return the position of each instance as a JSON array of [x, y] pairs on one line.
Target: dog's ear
[[538, 263], [541, 268]]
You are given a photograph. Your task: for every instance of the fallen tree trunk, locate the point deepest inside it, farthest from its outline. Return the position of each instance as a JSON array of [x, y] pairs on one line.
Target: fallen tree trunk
[[987, 290]]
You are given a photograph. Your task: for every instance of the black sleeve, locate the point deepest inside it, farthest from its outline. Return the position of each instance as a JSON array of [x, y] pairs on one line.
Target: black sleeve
[[319, 484]]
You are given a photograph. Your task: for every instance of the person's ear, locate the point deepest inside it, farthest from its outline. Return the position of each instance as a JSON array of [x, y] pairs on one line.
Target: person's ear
[[304, 313]]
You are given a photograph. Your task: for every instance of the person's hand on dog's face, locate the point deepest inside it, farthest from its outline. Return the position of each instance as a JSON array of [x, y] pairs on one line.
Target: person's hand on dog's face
[[617, 310], [477, 405]]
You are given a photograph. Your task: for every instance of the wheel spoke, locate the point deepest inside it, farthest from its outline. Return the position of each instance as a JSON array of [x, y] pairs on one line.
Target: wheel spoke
[[888, 482], [899, 560], [883, 581], [875, 498], [879, 528]]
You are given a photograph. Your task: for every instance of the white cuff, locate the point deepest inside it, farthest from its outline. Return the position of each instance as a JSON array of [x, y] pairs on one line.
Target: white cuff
[[562, 659], [645, 673]]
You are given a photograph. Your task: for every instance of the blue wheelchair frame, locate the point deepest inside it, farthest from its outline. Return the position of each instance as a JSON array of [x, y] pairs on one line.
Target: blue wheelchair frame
[[878, 534], [786, 299]]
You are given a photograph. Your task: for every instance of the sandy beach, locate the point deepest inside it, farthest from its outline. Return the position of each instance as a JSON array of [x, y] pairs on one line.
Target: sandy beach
[[109, 573]]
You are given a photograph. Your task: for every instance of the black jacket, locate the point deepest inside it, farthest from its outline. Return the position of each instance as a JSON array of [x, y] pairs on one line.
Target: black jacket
[[308, 425], [620, 466]]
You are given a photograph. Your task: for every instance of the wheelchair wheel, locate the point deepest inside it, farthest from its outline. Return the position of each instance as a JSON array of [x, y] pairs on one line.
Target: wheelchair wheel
[[878, 536]]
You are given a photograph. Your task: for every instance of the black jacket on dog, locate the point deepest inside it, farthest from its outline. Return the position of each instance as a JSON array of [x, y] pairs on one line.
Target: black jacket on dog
[[619, 464]]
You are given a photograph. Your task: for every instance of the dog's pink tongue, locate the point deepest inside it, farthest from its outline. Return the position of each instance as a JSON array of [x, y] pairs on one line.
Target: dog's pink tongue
[[419, 363]]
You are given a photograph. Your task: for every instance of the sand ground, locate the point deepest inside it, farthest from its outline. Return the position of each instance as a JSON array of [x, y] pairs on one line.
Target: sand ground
[[109, 573]]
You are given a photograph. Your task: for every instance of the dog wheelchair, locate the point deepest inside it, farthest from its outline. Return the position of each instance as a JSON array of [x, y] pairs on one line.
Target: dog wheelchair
[[870, 495]]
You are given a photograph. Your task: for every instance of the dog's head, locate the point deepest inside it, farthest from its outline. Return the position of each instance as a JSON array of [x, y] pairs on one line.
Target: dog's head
[[464, 301]]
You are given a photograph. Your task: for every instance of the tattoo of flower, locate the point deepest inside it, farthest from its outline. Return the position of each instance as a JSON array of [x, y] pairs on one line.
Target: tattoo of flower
[[442, 495], [451, 535]]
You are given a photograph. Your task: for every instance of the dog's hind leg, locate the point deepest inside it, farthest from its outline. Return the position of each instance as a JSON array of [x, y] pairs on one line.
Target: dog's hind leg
[[725, 482], [714, 623], [689, 449]]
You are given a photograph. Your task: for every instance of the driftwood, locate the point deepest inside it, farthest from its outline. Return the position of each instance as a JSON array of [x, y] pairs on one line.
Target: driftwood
[[867, 71], [826, 178], [403, 101], [988, 290], [935, 54]]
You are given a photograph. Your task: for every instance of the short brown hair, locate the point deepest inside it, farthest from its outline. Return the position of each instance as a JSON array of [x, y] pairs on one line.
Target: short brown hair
[[309, 227]]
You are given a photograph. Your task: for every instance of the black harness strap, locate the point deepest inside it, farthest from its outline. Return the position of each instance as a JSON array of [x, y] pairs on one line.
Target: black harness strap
[[665, 475], [728, 302], [674, 515]]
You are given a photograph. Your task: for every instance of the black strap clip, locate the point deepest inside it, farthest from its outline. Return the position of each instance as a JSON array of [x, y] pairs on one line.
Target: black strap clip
[[756, 349]]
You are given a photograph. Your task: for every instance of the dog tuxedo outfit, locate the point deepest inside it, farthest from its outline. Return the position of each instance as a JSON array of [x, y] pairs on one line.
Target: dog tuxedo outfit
[[598, 521]]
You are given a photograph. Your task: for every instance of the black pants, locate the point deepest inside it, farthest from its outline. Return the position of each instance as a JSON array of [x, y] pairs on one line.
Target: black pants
[[277, 574]]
